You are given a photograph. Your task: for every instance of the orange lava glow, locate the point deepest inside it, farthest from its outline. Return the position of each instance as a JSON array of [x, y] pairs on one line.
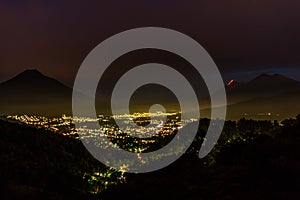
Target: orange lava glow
[[230, 82]]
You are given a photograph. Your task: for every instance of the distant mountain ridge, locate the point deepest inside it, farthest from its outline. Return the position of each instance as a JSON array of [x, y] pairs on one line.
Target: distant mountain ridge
[[264, 97], [34, 80], [31, 92], [262, 86]]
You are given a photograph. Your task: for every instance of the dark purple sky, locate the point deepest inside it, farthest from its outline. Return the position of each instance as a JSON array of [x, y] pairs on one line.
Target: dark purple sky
[[242, 36]]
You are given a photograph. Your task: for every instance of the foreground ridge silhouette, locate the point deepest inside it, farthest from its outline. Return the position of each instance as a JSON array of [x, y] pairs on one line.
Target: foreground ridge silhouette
[[253, 159]]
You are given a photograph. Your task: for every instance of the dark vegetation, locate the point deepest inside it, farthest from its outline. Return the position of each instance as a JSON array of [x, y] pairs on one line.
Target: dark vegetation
[[252, 160], [38, 164]]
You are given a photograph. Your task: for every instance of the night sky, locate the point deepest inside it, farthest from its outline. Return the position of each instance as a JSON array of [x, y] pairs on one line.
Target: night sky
[[244, 38]]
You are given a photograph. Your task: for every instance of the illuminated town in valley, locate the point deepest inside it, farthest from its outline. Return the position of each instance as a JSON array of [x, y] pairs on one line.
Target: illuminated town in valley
[[151, 128]]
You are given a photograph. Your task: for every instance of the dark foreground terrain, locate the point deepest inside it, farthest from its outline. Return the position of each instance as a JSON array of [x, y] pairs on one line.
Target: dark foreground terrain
[[250, 162]]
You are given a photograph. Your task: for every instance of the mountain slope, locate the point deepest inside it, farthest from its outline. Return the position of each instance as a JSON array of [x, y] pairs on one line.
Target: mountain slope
[[264, 97], [31, 92], [261, 87], [36, 94]]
